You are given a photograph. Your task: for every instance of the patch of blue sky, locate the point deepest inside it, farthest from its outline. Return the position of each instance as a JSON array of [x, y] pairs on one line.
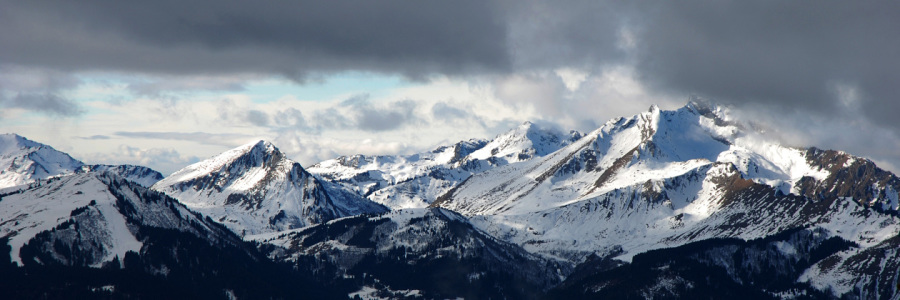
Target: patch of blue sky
[[116, 88], [22, 119]]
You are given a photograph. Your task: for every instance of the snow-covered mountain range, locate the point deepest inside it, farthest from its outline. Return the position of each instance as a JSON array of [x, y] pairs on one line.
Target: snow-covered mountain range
[[427, 252], [141, 175], [98, 235], [415, 181], [24, 161], [89, 219], [662, 178], [255, 189], [687, 203]]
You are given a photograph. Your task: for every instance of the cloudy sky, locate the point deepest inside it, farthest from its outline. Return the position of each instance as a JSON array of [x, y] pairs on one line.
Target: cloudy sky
[[165, 83]]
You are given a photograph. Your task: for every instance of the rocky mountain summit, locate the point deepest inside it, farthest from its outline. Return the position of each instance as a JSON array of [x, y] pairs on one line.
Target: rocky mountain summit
[[255, 189]]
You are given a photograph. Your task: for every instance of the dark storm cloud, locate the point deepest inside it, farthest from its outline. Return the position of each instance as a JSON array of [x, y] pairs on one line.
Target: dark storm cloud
[[288, 37], [47, 103], [575, 33], [38, 90], [161, 86], [799, 54], [824, 57]]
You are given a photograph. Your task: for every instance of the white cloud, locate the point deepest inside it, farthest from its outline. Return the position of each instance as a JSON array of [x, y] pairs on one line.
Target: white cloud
[[173, 84], [403, 120], [848, 95], [37, 90], [572, 78], [167, 132], [164, 160], [627, 39], [309, 150], [846, 132]]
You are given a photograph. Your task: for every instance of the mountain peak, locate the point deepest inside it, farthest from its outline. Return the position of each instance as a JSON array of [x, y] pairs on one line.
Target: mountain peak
[[262, 146], [705, 108], [23, 161], [252, 155], [531, 130], [141, 175], [107, 207], [523, 131], [11, 142], [254, 189], [524, 142]]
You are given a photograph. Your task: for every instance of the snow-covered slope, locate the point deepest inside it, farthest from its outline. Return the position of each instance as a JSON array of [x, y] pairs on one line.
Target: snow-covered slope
[[96, 235], [255, 189], [23, 161], [722, 268], [664, 178], [649, 205], [523, 143], [138, 174], [89, 219], [623, 152], [415, 181], [432, 252]]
